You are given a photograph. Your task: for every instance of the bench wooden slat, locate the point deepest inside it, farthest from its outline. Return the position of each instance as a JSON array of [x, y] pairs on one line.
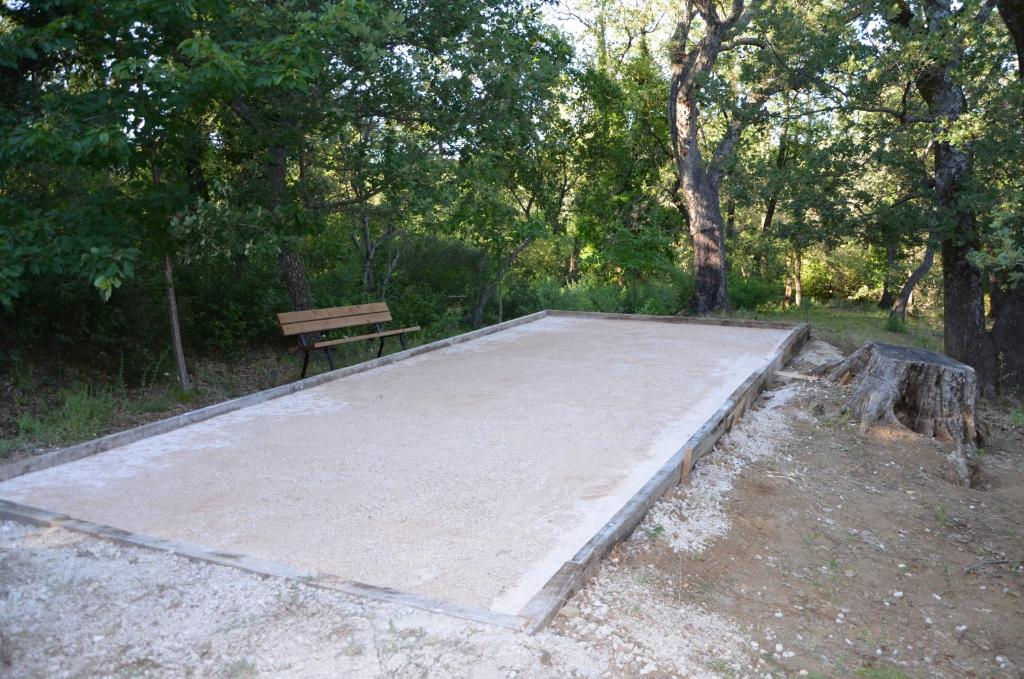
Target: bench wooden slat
[[336, 318], [288, 317], [335, 323], [355, 338]]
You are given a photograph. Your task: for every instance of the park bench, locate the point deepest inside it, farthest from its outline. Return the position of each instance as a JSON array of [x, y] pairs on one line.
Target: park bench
[[310, 326]]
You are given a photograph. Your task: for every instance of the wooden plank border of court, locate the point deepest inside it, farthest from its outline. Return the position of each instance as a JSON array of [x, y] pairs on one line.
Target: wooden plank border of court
[[573, 574], [541, 609], [40, 517]]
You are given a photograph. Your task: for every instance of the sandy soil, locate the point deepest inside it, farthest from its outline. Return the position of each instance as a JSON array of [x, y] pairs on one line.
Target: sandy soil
[[799, 548], [454, 474]]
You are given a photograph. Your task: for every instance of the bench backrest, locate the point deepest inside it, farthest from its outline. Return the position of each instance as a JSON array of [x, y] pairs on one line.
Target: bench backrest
[[334, 318]]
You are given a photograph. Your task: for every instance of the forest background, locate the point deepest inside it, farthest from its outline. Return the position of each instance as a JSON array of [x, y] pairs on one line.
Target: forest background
[[190, 169]]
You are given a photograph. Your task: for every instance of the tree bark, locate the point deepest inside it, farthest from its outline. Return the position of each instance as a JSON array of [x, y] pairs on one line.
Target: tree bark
[[172, 313], [963, 330], [711, 287], [899, 307], [294, 276], [700, 182], [1008, 335]]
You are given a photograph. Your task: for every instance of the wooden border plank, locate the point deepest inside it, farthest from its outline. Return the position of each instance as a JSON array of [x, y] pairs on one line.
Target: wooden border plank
[[121, 438], [573, 574], [691, 320], [40, 517]]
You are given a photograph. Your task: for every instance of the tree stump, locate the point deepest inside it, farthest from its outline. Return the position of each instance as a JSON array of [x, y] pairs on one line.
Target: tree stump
[[922, 391]]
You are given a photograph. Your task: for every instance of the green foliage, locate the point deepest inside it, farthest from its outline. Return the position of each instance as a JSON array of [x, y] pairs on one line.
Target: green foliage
[[839, 273], [894, 323], [458, 160], [753, 292], [82, 414], [850, 326], [587, 294]]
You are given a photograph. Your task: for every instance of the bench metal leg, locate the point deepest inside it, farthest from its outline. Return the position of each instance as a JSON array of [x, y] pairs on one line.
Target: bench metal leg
[[330, 357], [380, 349], [401, 340], [305, 363]]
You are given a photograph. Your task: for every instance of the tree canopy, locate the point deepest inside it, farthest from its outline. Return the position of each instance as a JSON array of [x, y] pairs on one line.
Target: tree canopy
[[471, 160]]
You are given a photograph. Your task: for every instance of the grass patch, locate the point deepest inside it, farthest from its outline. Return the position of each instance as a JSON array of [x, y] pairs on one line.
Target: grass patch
[[8, 446], [850, 327], [83, 414], [153, 405], [894, 323]]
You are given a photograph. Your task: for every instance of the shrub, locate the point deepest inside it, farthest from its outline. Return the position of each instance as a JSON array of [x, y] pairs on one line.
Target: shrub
[[753, 292], [893, 323], [83, 414]]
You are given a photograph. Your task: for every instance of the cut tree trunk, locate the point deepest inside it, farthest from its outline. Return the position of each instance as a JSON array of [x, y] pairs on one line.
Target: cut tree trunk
[[919, 390]]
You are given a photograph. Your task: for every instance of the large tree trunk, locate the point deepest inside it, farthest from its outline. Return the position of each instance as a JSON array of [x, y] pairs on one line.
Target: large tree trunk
[[700, 182], [710, 285], [293, 274], [963, 329], [172, 314], [920, 390], [964, 333], [1008, 335], [1008, 330]]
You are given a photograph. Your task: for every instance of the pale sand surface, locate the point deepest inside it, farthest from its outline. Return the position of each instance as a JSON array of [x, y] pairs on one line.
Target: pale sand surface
[[469, 473]]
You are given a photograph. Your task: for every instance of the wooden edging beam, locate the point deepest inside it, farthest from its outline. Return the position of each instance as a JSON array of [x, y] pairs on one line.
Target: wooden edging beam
[[691, 320], [40, 517], [122, 438], [573, 574]]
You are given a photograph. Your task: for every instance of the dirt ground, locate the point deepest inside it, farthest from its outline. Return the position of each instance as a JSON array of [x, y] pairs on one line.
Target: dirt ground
[[799, 548]]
